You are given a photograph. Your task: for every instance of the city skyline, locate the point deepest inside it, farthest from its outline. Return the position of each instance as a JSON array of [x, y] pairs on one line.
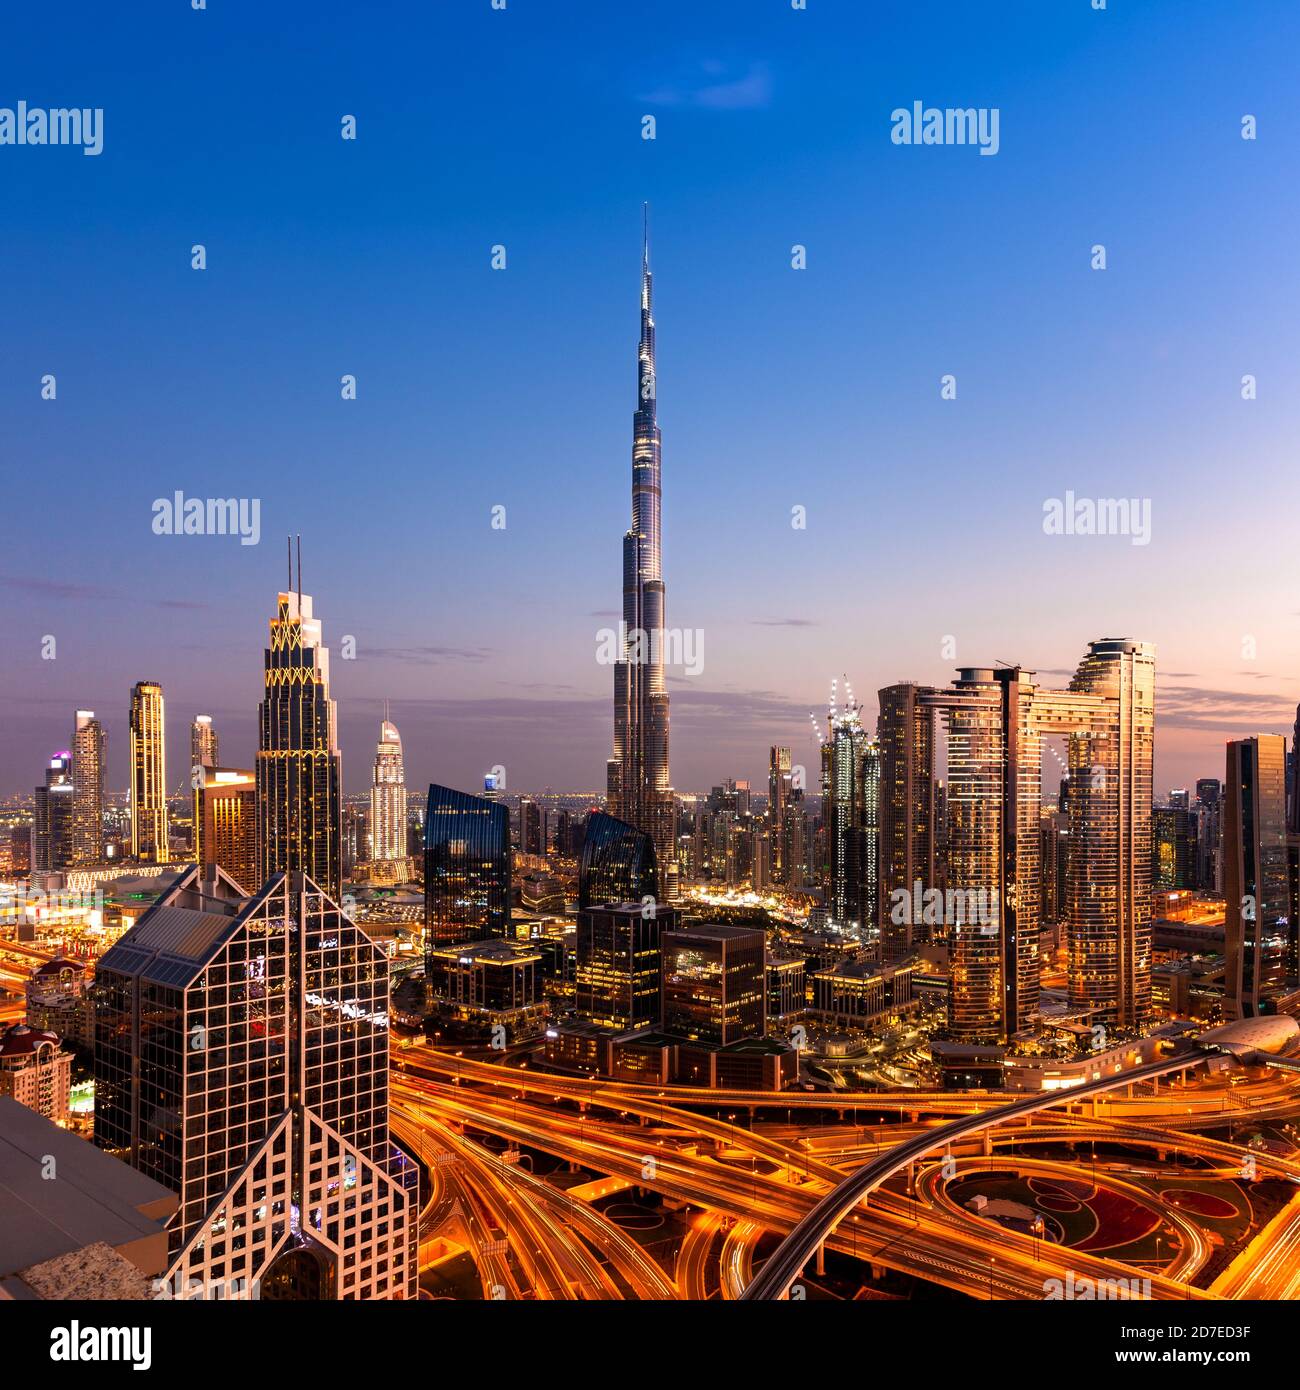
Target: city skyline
[[361, 943]]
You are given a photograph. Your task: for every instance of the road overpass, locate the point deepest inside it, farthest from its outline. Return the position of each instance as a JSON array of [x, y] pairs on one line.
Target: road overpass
[[786, 1263]]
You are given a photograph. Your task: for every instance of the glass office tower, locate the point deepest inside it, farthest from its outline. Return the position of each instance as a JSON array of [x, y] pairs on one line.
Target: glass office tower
[[242, 1060], [466, 867], [617, 864], [299, 771]]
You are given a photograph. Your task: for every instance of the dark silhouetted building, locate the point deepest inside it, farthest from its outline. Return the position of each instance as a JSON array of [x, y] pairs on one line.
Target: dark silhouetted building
[[617, 864], [1256, 924]]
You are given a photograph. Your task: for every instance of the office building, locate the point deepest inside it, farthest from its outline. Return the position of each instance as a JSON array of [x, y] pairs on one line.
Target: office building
[[52, 816], [299, 771], [714, 983], [242, 1061], [466, 867], [619, 964], [1257, 924], [616, 864]]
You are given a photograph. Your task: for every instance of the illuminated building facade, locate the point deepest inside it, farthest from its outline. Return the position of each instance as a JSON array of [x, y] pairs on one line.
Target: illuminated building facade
[[1112, 746], [88, 789], [388, 798], [906, 732], [205, 747], [466, 867], [617, 863], [778, 807], [639, 790], [997, 719], [299, 771], [1173, 848], [52, 816], [226, 829], [714, 983], [1257, 926], [619, 964], [35, 1071], [148, 773], [242, 1061], [204, 753], [851, 784], [1209, 834]]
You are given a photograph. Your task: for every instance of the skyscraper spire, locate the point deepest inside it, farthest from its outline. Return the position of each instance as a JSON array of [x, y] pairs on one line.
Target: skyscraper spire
[[639, 791]]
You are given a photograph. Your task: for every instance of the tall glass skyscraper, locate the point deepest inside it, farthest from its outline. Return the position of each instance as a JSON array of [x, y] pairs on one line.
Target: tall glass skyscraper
[[148, 773], [299, 770], [997, 719], [851, 792], [52, 815], [241, 1059], [617, 863], [1257, 926], [908, 838], [466, 867], [88, 789], [388, 798], [639, 790]]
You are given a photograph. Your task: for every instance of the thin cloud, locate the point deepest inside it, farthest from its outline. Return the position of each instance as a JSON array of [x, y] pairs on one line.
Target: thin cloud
[[427, 656], [51, 588], [715, 86]]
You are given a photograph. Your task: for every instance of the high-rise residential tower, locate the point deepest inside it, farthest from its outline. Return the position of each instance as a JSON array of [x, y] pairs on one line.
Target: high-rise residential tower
[[299, 770], [1209, 834], [226, 828], [778, 802], [639, 790], [851, 777], [388, 798], [88, 789], [204, 744], [204, 754], [241, 1059], [1257, 924], [997, 719], [148, 773], [52, 816], [908, 839]]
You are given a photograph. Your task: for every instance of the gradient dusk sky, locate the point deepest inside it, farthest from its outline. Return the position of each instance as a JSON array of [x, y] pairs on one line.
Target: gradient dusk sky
[[777, 388]]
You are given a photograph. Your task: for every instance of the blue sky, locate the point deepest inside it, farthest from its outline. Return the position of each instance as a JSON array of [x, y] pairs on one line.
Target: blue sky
[[477, 388]]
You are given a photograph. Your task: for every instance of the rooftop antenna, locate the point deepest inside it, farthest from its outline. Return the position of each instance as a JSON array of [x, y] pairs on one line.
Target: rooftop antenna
[[288, 546], [645, 235], [299, 539]]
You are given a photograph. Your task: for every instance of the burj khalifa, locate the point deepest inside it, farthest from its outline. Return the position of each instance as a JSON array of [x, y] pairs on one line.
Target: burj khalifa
[[639, 790]]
